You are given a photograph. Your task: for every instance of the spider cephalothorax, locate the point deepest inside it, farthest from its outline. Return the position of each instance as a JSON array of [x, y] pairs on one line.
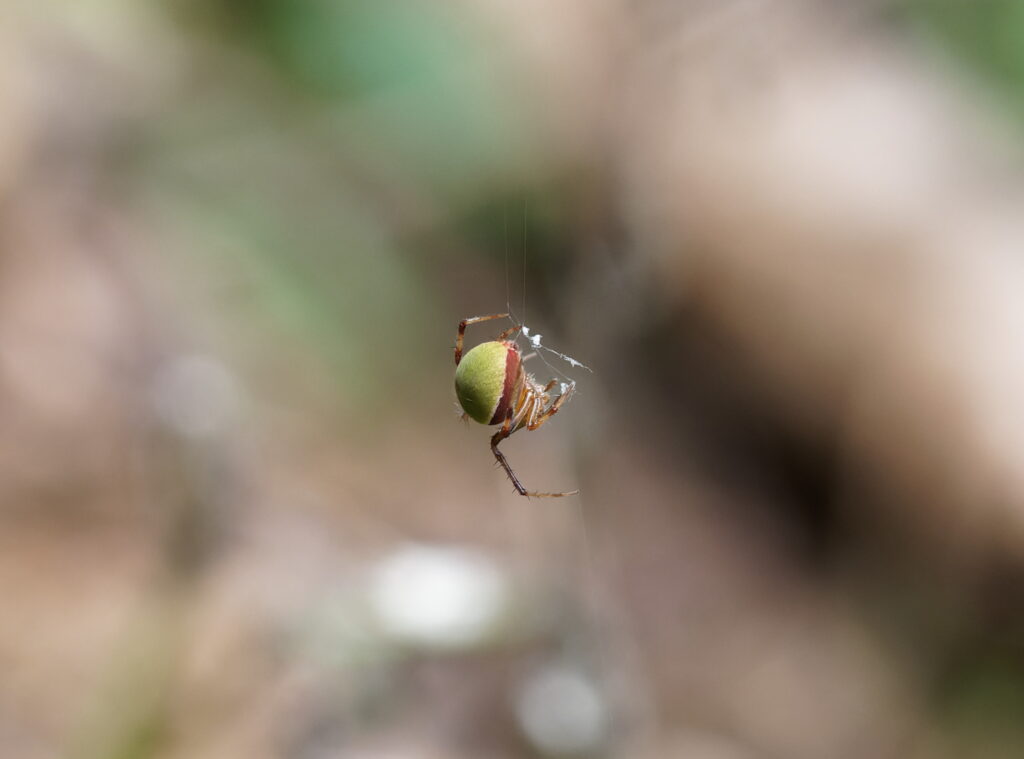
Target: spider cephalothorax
[[493, 388]]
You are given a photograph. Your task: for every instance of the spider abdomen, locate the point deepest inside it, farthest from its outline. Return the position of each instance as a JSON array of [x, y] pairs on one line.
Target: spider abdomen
[[488, 381]]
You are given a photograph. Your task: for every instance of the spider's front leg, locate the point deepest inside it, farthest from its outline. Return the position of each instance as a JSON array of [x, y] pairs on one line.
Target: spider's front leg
[[475, 320]]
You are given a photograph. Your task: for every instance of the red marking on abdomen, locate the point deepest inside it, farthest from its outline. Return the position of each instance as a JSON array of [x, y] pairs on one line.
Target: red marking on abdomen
[[512, 367]]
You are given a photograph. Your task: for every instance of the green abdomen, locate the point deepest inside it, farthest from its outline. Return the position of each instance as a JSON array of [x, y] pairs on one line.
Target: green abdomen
[[484, 380]]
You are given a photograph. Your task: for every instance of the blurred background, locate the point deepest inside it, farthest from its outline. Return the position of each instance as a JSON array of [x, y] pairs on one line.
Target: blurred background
[[239, 515]]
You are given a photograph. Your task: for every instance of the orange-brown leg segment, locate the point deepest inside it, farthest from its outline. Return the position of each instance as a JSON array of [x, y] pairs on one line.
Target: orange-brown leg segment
[[553, 408], [509, 332], [474, 320], [533, 405], [505, 431], [521, 411]]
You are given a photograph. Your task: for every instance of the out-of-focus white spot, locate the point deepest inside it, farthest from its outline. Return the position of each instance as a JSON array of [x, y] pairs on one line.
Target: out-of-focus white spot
[[196, 396], [561, 712], [435, 597]]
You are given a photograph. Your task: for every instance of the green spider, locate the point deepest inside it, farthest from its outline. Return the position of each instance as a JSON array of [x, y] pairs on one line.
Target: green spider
[[492, 388]]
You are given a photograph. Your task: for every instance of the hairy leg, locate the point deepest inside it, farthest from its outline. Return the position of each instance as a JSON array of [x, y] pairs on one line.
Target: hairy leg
[[499, 436]]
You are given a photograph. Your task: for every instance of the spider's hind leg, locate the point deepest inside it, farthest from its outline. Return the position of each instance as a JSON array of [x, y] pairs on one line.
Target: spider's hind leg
[[505, 431]]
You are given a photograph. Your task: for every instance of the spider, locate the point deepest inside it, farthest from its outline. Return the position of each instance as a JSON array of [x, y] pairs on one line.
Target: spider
[[492, 388]]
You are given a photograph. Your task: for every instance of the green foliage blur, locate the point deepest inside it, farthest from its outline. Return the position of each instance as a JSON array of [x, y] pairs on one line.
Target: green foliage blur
[[985, 35], [348, 160]]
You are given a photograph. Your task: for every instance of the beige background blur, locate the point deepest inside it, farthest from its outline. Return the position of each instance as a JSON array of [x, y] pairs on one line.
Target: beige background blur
[[239, 516]]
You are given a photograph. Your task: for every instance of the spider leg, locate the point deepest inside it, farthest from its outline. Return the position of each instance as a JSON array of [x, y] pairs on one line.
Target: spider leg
[[505, 431], [524, 406], [508, 332], [555, 405], [535, 408], [462, 331]]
